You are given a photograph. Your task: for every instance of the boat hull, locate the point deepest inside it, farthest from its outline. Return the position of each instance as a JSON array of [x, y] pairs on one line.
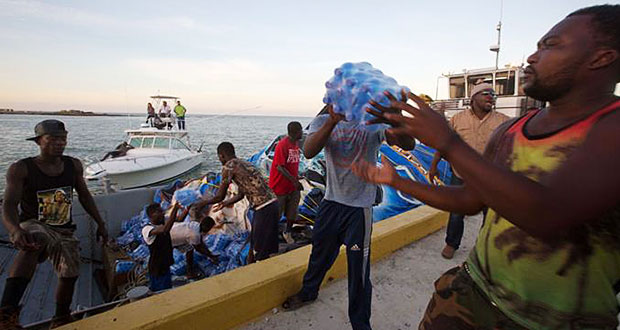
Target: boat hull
[[150, 176]]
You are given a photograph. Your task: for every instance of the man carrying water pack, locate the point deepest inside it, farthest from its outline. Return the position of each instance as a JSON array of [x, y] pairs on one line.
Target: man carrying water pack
[[37, 215], [345, 214], [548, 254]]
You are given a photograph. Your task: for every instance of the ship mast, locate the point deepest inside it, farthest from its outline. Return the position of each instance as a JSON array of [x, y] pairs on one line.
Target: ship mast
[[495, 48]]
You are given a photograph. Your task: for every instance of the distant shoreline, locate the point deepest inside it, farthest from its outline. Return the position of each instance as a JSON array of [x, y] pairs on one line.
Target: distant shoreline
[[78, 113], [81, 113]]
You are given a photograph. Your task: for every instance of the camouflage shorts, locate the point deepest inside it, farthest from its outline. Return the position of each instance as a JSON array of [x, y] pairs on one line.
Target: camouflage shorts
[[458, 303], [60, 246]]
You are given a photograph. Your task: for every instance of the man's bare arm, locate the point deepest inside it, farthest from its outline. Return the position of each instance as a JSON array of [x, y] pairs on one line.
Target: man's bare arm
[[168, 224], [583, 188], [316, 141], [15, 176]]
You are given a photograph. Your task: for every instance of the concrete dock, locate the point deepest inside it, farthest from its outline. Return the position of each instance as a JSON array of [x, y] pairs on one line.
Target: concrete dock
[[402, 286]]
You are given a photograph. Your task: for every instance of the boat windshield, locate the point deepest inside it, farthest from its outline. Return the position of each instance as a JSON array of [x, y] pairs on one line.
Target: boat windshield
[[147, 142], [178, 144], [135, 142], [161, 143]]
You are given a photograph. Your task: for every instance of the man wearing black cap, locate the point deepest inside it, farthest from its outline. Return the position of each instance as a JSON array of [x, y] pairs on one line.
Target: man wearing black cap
[[42, 226]]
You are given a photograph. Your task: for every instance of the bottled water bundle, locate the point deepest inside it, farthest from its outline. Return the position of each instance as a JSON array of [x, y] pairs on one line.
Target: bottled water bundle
[[354, 85]]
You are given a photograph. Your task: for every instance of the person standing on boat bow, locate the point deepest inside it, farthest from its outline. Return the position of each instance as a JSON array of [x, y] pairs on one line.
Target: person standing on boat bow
[[548, 254], [179, 112], [37, 216], [252, 184], [475, 126]]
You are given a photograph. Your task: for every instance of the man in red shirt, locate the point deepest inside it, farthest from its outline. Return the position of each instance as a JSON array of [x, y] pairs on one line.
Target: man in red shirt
[[283, 178]]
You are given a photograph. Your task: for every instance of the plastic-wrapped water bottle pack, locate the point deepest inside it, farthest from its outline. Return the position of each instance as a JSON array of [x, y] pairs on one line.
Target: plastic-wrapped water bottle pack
[[231, 249], [186, 197], [354, 85]]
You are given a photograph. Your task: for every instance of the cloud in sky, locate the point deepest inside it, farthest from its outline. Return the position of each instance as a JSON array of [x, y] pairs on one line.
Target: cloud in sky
[[69, 15], [219, 84], [221, 56]]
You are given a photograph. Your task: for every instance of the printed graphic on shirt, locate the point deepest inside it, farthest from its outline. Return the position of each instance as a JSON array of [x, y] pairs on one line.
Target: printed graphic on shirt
[[347, 144], [55, 205], [293, 156]]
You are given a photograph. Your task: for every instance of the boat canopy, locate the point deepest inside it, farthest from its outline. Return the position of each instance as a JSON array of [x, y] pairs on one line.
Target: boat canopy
[[155, 131], [165, 97]]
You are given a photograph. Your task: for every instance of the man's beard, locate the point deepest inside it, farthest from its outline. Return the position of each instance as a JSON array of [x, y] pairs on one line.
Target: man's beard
[[556, 86]]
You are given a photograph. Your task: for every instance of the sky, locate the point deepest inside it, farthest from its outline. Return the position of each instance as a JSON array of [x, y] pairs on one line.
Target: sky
[[247, 57]]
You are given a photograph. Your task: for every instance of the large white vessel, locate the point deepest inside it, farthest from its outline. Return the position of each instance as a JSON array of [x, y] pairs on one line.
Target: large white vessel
[[155, 156], [454, 90]]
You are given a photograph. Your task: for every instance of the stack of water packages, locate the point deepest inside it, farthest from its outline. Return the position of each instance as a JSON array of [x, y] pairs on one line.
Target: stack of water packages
[[231, 249], [354, 85]]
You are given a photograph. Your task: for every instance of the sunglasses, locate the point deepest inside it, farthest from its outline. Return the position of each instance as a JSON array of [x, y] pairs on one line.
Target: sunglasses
[[489, 93]]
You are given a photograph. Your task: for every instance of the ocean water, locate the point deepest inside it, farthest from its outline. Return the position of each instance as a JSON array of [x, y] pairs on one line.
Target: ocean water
[[90, 137]]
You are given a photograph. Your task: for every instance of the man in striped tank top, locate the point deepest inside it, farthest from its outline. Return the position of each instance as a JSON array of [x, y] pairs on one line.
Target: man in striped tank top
[[548, 254]]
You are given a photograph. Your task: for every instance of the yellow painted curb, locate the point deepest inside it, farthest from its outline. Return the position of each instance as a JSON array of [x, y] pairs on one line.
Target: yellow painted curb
[[239, 296]]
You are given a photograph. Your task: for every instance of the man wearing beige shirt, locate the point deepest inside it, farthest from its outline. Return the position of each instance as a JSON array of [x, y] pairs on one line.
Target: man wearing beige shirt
[[475, 126]]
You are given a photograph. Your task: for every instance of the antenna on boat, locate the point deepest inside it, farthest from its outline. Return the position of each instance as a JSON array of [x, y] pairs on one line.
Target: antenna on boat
[[127, 109], [495, 48]]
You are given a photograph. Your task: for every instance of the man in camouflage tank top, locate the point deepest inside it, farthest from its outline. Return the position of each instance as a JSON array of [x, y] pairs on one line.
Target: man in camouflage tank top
[[548, 254]]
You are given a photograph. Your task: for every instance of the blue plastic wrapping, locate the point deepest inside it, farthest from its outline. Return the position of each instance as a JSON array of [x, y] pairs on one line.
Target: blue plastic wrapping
[[126, 238], [140, 253], [217, 242], [354, 85], [123, 266], [179, 268], [186, 197]]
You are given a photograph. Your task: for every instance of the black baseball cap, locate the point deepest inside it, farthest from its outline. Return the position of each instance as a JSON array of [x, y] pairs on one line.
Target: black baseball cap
[[50, 126]]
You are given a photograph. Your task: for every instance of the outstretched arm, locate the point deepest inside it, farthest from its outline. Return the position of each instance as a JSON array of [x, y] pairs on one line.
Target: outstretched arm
[[459, 199], [168, 224], [239, 196], [221, 192], [553, 205]]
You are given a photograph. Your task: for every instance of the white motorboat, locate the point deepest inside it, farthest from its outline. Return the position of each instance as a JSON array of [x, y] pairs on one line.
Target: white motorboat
[[154, 156]]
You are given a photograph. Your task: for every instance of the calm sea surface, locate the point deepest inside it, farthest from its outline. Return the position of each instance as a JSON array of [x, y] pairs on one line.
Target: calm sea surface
[[90, 137]]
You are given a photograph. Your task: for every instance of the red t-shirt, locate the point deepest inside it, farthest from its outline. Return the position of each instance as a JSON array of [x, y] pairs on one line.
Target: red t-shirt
[[287, 155]]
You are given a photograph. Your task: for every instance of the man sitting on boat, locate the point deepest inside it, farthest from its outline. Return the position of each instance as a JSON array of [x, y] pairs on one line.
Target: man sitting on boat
[[165, 113], [37, 215], [264, 233]]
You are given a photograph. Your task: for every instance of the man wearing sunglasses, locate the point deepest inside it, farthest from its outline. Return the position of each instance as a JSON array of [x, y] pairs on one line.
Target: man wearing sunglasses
[[475, 126]]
